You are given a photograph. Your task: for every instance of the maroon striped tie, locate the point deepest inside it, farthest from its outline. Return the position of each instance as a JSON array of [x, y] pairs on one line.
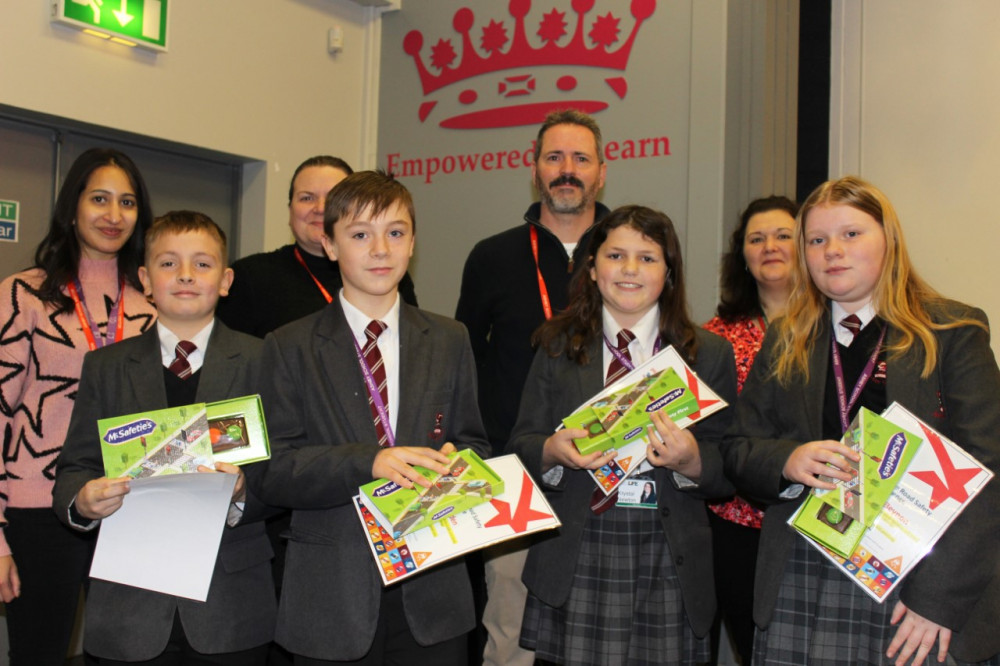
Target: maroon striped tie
[[373, 357], [180, 366], [599, 502], [852, 323], [617, 369]]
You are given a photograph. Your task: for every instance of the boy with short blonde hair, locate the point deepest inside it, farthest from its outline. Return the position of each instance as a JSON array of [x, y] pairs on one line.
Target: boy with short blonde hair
[[185, 272]]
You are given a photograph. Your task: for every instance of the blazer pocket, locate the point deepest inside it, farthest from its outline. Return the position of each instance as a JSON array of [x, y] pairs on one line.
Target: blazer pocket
[[436, 400], [239, 555]]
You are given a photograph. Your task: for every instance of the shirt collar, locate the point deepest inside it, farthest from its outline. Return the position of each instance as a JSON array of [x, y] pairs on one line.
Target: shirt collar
[[358, 321], [865, 314], [844, 336], [646, 330]]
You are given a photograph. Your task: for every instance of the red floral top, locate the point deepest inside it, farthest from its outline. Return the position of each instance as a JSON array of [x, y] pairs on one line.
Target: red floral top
[[746, 336]]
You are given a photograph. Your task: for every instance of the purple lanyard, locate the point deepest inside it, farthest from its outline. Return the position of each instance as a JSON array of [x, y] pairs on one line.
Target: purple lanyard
[[622, 358], [838, 378], [373, 392]]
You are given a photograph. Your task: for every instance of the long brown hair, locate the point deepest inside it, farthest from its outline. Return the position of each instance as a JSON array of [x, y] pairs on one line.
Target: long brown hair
[[900, 296], [575, 329]]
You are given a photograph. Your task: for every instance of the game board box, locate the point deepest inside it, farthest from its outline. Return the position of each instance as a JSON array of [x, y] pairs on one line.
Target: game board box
[[838, 518], [614, 420], [178, 439], [697, 402], [163, 441], [468, 483], [238, 430], [520, 510], [938, 483]]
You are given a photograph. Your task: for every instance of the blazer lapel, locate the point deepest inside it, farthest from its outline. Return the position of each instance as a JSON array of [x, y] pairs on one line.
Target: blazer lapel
[[590, 377], [414, 367], [218, 372], [345, 381], [904, 385], [144, 372], [812, 396]]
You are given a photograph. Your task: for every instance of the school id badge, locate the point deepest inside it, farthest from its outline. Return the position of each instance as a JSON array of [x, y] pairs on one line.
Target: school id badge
[[637, 493]]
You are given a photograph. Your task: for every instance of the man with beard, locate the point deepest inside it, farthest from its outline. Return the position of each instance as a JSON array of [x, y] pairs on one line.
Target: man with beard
[[512, 282]]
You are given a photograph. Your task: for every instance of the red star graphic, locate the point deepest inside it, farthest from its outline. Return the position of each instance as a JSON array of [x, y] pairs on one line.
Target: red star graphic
[[605, 30], [442, 54], [523, 514], [553, 26], [494, 36], [954, 481]]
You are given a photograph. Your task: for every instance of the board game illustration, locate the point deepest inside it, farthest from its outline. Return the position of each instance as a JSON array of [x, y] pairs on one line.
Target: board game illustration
[[885, 450], [938, 482], [521, 509], [618, 416], [165, 441], [468, 483], [238, 431], [612, 421]]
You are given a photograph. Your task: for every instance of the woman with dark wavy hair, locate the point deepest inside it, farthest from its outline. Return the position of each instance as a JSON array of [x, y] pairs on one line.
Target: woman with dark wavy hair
[[83, 292], [621, 583], [756, 281]]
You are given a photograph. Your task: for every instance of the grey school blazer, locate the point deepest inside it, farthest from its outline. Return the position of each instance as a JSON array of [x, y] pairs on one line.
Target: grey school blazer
[[323, 446], [130, 624], [958, 584], [554, 389]]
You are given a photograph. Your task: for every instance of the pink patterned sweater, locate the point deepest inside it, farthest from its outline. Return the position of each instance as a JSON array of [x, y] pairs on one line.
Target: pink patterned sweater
[[41, 354]]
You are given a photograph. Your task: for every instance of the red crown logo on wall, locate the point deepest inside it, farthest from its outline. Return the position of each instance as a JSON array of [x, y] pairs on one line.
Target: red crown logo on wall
[[604, 34]]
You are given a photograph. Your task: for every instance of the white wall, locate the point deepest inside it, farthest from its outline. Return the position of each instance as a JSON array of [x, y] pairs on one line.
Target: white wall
[[916, 110], [246, 77]]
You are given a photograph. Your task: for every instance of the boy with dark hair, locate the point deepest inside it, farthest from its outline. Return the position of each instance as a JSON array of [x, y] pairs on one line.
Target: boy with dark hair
[[187, 357], [366, 388]]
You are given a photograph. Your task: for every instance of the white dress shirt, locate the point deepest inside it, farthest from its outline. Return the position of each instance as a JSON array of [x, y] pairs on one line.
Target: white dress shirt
[[844, 335], [169, 340]]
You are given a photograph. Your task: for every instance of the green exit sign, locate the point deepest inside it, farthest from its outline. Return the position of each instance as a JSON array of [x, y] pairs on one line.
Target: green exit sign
[[140, 23]]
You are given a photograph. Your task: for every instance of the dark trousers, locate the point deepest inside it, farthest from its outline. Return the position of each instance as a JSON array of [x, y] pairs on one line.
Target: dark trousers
[[735, 550], [394, 645], [52, 561], [180, 653]]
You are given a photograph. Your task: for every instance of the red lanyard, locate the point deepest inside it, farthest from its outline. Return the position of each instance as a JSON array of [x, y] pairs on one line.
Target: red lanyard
[[87, 322], [543, 291], [322, 289]]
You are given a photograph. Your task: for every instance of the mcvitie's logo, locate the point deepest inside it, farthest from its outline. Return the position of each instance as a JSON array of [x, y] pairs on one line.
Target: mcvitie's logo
[[129, 431], [519, 93]]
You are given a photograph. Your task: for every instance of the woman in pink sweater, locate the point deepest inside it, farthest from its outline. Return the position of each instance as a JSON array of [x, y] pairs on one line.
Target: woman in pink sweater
[[82, 293]]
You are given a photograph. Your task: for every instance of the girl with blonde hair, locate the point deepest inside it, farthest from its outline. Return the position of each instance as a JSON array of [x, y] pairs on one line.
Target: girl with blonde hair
[[863, 330]]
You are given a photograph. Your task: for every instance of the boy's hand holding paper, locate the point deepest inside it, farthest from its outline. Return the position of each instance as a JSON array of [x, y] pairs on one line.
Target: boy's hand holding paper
[[240, 489], [101, 497]]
